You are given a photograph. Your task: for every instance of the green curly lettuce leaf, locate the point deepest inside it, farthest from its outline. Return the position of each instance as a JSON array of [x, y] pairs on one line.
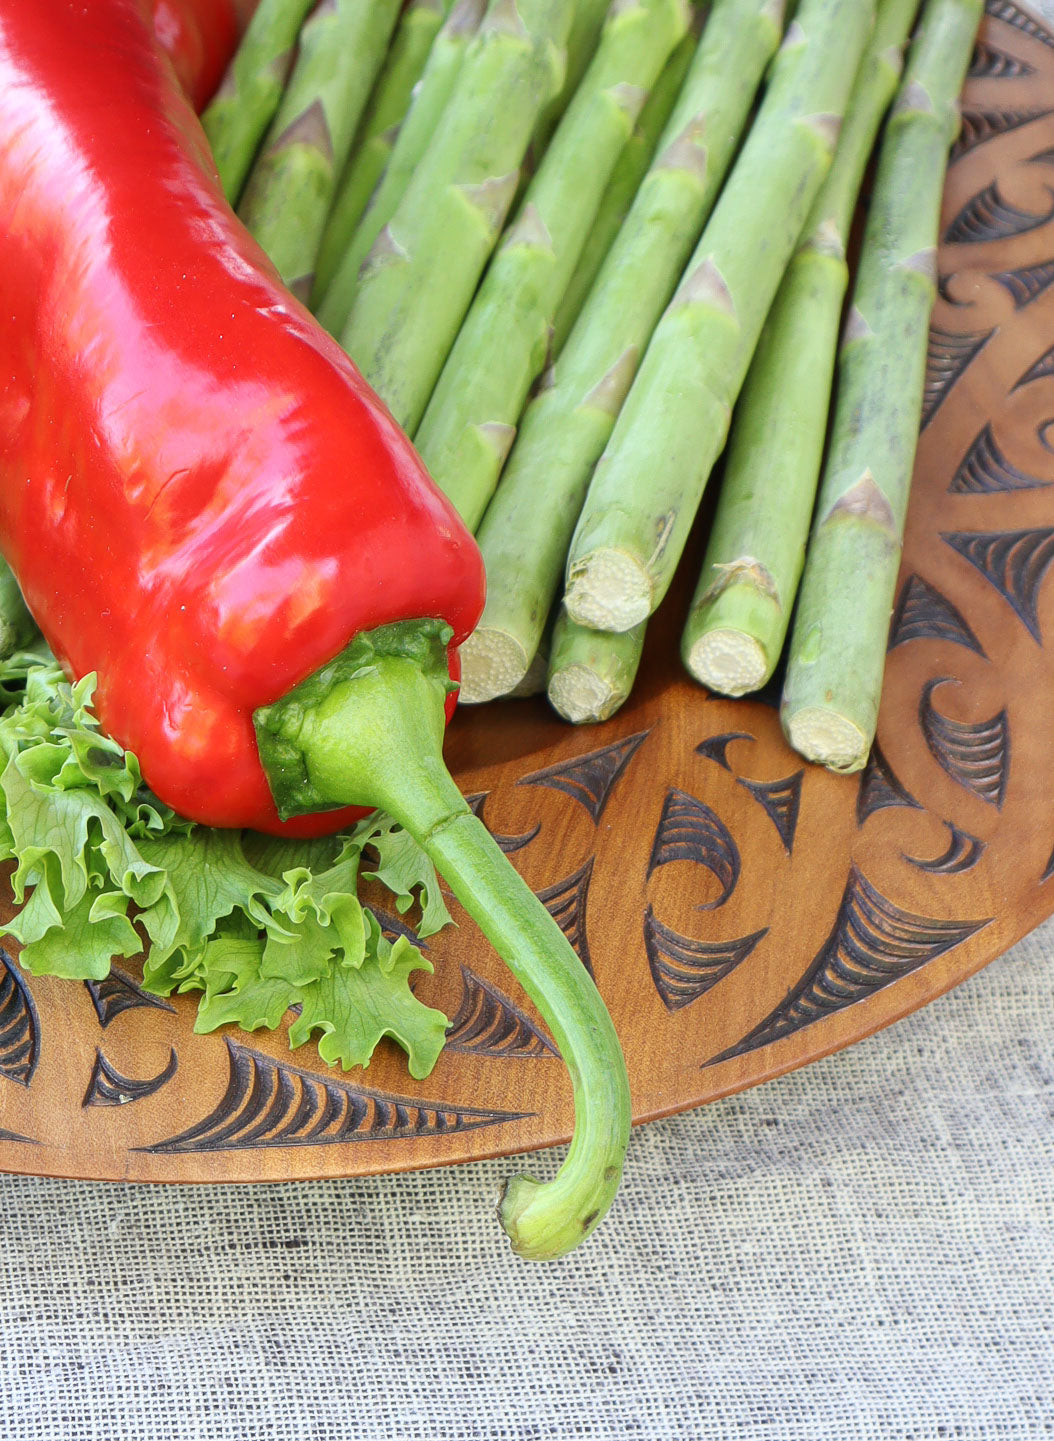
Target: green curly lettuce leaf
[[259, 925]]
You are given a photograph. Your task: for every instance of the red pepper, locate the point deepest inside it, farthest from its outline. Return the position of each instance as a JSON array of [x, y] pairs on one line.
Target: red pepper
[[201, 498], [205, 504], [200, 37]]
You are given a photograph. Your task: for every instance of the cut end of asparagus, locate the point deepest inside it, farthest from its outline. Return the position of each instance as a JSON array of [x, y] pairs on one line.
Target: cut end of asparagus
[[828, 738], [728, 661], [608, 590], [583, 697], [493, 663]]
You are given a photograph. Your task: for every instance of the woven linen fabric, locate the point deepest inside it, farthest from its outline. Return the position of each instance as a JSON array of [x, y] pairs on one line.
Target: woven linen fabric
[[862, 1249]]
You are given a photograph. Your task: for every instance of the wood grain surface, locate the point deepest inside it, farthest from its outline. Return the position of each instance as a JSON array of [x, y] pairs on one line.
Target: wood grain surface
[[742, 913]]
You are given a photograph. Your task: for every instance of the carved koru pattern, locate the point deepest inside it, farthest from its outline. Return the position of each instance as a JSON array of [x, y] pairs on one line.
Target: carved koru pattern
[[962, 854], [508, 844], [1012, 14], [566, 903], [269, 1103], [985, 469], [947, 357], [988, 63], [14, 1136], [715, 748], [590, 778], [1013, 561], [1026, 284], [107, 1087], [1042, 369], [873, 943], [118, 993], [879, 788], [684, 969], [981, 125], [1048, 869], [976, 754], [781, 801], [988, 216], [688, 830], [487, 1023], [19, 1026], [922, 613]]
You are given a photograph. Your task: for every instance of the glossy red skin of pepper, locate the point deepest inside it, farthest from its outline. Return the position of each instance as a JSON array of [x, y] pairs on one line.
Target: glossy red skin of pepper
[[200, 496], [200, 37]]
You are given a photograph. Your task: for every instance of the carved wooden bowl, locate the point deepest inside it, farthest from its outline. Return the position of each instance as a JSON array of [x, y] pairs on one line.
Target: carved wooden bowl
[[742, 913]]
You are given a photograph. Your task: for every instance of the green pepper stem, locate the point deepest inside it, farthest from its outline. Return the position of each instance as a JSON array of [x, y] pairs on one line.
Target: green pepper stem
[[374, 737]]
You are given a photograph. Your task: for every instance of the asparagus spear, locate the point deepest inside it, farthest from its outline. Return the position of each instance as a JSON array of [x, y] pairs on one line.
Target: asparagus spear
[[378, 129], [525, 533], [629, 171], [502, 344], [419, 277], [838, 645], [429, 101], [586, 24], [237, 117], [591, 672], [290, 188], [741, 610], [648, 483]]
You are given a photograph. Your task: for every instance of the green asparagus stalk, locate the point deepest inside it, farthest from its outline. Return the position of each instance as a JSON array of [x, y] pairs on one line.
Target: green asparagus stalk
[[591, 672], [648, 483], [237, 117], [415, 134], [528, 525], [419, 278], [586, 24], [630, 170], [290, 188], [378, 129], [838, 645], [502, 345], [741, 610], [17, 626]]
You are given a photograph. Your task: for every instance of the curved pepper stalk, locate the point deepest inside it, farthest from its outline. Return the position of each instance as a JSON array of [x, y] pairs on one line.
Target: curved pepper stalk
[[367, 729]]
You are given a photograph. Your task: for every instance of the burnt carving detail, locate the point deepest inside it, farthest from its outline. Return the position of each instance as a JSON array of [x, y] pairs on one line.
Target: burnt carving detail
[[688, 830], [781, 801], [1042, 369], [981, 125], [922, 613], [117, 993], [988, 63], [19, 1025], [488, 1023], [1026, 284], [590, 778], [566, 903], [268, 1104], [976, 754], [962, 854], [6, 1135], [988, 216], [1012, 14], [1013, 561], [872, 944], [715, 748], [880, 788], [947, 358], [984, 469], [508, 844], [107, 1087], [684, 969]]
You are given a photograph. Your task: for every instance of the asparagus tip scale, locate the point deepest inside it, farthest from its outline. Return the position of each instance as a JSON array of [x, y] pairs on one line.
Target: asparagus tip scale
[[856, 327], [610, 391], [829, 739], [629, 98], [705, 284], [492, 664], [923, 262], [728, 661], [826, 126], [866, 499], [581, 696], [686, 151], [608, 590], [498, 435], [310, 129], [465, 17], [492, 197]]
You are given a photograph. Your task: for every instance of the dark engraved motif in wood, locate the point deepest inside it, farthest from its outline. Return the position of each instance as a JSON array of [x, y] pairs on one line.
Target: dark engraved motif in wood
[[566, 902], [1026, 284], [981, 125], [392, 927], [1012, 14], [118, 993], [688, 830], [872, 944], [1042, 369], [1013, 561], [781, 801], [1048, 869], [1044, 433], [107, 1087], [922, 613], [988, 63], [684, 969], [590, 778], [508, 844], [974, 753], [947, 357], [880, 788], [268, 1103], [715, 748], [19, 1026], [984, 469], [962, 854], [488, 1023], [988, 216], [1043, 157], [14, 1136]]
